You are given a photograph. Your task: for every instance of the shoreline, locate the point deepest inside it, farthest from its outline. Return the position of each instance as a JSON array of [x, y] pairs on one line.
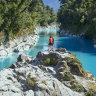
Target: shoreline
[[67, 33], [24, 42], [47, 27], [19, 44]]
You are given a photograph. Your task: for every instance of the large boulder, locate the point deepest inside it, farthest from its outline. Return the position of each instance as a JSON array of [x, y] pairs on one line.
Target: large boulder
[[52, 58], [25, 58], [75, 66], [67, 66], [64, 58], [44, 55]]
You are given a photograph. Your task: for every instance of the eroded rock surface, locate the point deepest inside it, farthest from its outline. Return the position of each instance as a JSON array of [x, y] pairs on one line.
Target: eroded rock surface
[[57, 73], [19, 44]]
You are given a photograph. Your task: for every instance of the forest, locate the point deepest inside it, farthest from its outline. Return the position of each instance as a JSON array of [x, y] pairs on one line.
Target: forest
[[78, 16], [19, 15]]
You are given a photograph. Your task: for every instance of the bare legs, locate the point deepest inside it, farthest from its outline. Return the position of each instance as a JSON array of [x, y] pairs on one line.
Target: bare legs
[[51, 47], [48, 47]]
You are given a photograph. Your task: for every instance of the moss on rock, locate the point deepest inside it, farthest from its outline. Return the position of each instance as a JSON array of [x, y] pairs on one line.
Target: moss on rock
[[66, 76], [47, 61], [75, 66], [75, 86], [89, 94], [91, 86], [50, 61], [31, 82]]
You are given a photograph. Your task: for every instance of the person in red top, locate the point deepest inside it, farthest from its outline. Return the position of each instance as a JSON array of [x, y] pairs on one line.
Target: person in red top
[[50, 43]]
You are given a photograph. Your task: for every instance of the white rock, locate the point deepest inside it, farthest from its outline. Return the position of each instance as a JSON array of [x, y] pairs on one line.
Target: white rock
[[9, 93], [14, 89], [20, 44], [29, 93], [3, 53], [39, 93]]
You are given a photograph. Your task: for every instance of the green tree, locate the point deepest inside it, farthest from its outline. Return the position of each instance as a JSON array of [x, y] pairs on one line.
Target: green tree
[[78, 16], [17, 15]]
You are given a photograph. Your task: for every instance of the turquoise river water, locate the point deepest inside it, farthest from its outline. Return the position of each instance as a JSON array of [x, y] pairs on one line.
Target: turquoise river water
[[83, 48]]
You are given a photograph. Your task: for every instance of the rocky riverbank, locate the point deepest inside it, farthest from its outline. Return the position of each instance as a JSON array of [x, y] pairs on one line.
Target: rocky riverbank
[[57, 73], [19, 44], [48, 29], [24, 42], [69, 33]]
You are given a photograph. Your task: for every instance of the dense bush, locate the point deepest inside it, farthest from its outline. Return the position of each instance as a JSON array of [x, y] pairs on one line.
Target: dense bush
[[20, 16], [78, 16]]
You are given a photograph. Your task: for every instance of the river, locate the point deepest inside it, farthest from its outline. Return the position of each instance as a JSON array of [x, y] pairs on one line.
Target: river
[[83, 48]]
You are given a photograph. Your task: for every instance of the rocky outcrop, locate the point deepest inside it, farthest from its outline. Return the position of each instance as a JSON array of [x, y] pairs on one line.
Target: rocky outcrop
[[69, 33], [57, 73], [25, 58], [19, 44]]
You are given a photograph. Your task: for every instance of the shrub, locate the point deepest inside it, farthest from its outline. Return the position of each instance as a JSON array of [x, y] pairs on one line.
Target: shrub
[[76, 60], [5, 67], [92, 86], [31, 82], [50, 61], [47, 61], [0, 43], [88, 94]]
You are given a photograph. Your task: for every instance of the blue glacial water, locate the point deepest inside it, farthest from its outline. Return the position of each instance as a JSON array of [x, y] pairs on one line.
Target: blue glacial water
[[83, 48]]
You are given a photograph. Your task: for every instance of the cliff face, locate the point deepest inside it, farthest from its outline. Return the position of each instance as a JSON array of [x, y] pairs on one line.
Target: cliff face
[[57, 73]]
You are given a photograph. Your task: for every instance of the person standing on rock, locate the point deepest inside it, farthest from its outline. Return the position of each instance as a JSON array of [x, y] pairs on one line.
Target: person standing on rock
[[50, 43]]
